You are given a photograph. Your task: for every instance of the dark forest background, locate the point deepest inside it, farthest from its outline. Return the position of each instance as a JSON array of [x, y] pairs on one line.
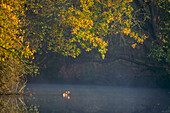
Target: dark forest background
[[124, 66]]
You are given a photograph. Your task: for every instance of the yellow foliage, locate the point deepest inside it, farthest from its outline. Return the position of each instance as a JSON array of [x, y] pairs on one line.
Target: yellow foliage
[[91, 25], [103, 56], [88, 49], [132, 34], [12, 36], [134, 45], [126, 31]]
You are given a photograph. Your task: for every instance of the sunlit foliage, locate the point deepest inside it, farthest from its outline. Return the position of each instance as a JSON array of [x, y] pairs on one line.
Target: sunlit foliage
[[71, 26], [93, 21], [14, 51], [12, 36]]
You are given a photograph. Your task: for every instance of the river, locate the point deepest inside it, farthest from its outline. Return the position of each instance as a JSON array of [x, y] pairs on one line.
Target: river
[[99, 99], [47, 98]]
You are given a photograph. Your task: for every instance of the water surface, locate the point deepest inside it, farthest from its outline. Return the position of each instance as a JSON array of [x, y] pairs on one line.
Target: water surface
[[99, 99]]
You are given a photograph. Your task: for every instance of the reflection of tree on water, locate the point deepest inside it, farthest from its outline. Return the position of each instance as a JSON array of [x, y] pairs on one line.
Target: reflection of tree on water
[[16, 104]]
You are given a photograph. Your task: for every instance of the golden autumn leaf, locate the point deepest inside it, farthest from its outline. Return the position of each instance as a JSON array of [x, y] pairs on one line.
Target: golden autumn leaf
[[103, 56], [134, 45]]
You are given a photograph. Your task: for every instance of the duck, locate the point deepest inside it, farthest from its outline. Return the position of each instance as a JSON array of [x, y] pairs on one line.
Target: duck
[[66, 94]]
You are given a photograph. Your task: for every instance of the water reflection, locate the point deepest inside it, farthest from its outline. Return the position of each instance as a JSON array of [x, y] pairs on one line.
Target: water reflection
[[16, 104], [94, 99], [87, 99]]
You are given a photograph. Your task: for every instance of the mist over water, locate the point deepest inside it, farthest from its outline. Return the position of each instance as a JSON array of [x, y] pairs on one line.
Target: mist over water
[[98, 99]]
